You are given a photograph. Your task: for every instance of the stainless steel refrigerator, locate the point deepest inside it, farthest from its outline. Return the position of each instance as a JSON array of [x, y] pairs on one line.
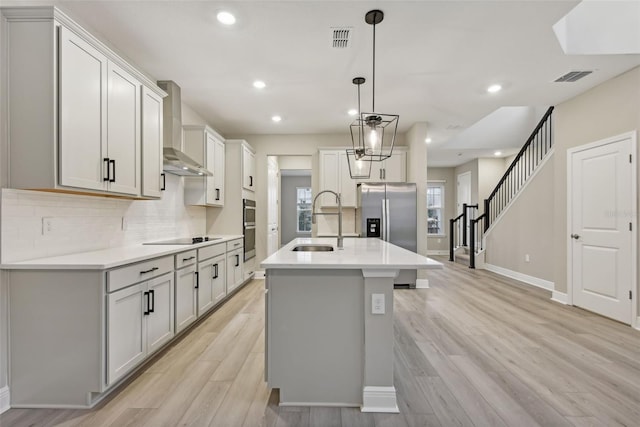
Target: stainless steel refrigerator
[[388, 211]]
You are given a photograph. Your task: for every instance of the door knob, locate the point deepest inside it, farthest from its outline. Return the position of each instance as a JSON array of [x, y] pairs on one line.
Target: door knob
[[575, 236]]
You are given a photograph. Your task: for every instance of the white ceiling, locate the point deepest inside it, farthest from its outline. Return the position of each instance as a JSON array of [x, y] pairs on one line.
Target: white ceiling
[[435, 60]]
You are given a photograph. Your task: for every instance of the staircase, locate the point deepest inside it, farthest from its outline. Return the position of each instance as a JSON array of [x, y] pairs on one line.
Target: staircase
[[524, 165]]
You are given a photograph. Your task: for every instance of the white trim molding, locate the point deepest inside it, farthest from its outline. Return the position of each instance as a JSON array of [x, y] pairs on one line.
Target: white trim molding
[[438, 252], [379, 399], [422, 283], [560, 297], [535, 281], [5, 404]]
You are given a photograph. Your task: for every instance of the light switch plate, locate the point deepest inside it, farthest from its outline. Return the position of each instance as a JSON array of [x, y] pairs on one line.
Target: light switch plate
[[377, 304]]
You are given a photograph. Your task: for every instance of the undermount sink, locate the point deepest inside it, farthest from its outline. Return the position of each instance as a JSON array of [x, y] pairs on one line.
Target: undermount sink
[[312, 248]]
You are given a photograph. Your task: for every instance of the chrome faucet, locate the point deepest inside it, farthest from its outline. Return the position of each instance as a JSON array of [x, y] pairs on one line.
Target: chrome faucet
[[313, 214]]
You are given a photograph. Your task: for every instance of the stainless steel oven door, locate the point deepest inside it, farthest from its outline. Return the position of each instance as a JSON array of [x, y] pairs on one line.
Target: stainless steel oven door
[[249, 214], [249, 242]]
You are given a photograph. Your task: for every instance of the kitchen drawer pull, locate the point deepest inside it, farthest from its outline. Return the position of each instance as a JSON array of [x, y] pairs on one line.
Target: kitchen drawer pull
[[217, 194], [107, 178], [250, 181], [188, 259], [215, 275], [237, 260], [113, 178], [237, 244], [197, 280], [153, 301], [164, 182], [149, 271], [146, 296]]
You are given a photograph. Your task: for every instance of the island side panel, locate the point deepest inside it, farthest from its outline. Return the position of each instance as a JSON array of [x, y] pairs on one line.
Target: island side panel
[[56, 323], [315, 330]]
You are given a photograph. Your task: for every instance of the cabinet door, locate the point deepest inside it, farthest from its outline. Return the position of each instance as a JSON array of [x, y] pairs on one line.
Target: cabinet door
[[83, 113], [123, 135], [160, 320], [219, 173], [248, 169], [347, 185], [210, 164], [126, 334], [151, 144], [186, 297], [234, 269], [329, 176], [205, 287], [395, 169], [218, 278]]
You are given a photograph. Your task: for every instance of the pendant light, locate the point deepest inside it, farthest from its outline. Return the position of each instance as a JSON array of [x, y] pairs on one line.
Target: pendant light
[[377, 131], [359, 168]]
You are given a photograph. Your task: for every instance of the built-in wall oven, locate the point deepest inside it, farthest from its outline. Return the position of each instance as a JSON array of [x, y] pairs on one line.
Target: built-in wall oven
[[249, 228]]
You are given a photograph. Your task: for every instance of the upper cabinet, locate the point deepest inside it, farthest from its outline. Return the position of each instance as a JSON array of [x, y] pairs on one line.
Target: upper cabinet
[[392, 169], [248, 169], [80, 118], [206, 147], [334, 176]]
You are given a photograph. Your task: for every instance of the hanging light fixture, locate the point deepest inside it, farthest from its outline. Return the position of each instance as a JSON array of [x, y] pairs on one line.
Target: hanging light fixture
[[358, 167], [377, 131]]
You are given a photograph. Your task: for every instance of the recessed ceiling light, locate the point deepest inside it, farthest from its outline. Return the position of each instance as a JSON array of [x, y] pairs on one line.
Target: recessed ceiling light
[[259, 84], [497, 153], [276, 118], [428, 140], [494, 88], [226, 18], [185, 168], [353, 112]]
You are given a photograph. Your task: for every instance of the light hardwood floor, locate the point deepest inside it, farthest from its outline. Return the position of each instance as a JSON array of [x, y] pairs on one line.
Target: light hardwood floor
[[475, 349]]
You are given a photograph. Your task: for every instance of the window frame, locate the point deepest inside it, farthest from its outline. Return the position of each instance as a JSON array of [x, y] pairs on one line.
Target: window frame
[[299, 210], [442, 230]]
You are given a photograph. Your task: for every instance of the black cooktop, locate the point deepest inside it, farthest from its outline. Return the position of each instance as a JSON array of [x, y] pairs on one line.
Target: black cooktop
[[184, 241]]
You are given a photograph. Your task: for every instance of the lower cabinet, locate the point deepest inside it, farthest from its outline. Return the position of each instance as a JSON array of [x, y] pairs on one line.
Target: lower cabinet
[[235, 276], [140, 320], [186, 297], [212, 286]]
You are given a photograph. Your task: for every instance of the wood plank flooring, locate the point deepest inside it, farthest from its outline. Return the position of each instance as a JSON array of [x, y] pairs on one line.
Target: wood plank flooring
[[475, 349]]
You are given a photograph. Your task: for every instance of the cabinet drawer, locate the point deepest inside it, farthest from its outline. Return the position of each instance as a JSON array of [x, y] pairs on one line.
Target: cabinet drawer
[[234, 244], [184, 259], [211, 251], [124, 276]]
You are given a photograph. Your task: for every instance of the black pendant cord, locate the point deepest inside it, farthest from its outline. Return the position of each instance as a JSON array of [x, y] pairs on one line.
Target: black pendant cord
[[373, 82]]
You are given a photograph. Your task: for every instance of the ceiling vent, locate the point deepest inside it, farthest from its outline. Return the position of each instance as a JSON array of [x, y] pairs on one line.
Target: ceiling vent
[[341, 37], [572, 76]]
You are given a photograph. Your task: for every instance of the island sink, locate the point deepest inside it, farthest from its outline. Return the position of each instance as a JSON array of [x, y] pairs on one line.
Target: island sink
[[312, 248]]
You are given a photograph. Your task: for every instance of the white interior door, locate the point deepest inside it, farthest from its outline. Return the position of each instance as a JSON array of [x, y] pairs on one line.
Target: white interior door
[[273, 184], [463, 195], [602, 205]]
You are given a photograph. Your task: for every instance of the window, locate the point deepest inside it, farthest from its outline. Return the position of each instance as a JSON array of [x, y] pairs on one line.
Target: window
[[435, 208], [303, 207]]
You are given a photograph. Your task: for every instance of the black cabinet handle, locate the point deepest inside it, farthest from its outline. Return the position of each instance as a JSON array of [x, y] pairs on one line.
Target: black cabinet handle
[[187, 259], [237, 260], [215, 275], [153, 301], [217, 194], [164, 182], [150, 270], [107, 178], [146, 311], [250, 181], [113, 178], [197, 280]]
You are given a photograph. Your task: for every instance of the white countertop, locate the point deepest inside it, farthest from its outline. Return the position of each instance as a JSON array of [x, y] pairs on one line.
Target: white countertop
[[336, 235], [369, 253], [109, 258]]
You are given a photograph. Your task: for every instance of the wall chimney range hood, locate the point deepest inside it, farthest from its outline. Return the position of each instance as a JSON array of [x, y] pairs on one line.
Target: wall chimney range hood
[[175, 161]]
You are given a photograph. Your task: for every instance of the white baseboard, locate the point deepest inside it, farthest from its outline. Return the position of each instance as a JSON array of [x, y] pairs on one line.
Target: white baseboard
[[438, 252], [4, 399], [259, 274], [535, 281], [559, 297], [636, 327], [379, 399], [422, 283]]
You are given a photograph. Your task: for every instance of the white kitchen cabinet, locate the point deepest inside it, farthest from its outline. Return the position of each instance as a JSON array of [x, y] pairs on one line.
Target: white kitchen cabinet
[[212, 279], [334, 176], [76, 103], [186, 297], [206, 147], [392, 169], [152, 140], [140, 320], [235, 272], [248, 169]]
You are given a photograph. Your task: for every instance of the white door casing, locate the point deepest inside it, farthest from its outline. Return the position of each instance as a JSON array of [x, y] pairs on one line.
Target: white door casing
[[273, 184], [601, 198]]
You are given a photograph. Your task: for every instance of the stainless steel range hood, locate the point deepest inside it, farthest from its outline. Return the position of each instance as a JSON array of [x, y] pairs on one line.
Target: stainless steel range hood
[[175, 160]]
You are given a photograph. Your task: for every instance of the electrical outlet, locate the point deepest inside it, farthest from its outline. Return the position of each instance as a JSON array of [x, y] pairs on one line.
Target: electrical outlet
[[377, 303], [47, 225], [526, 258]]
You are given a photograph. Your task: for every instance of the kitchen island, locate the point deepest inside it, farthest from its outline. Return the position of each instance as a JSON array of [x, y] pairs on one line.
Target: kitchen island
[[329, 321]]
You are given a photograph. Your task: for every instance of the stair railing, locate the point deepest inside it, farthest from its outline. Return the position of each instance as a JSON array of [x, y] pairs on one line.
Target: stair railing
[[522, 167], [455, 236], [476, 237]]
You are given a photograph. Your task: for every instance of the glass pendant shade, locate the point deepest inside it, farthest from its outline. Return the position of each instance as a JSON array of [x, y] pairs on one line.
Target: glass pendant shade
[[358, 167]]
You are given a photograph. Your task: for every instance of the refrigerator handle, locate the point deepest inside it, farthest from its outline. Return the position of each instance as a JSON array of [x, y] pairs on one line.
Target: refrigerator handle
[[387, 220], [383, 225]]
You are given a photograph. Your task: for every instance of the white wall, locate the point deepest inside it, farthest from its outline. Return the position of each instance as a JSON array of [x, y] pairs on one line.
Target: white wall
[[417, 172]]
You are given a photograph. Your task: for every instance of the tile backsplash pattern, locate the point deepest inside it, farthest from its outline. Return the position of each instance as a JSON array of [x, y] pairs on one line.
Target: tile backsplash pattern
[[39, 224]]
